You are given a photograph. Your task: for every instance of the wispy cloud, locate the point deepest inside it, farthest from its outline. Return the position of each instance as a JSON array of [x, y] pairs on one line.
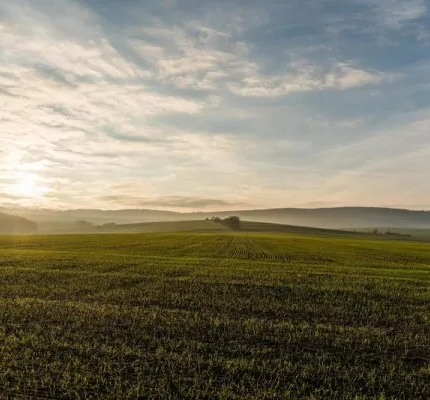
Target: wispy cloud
[[169, 202], [304, 77], [396, 13]]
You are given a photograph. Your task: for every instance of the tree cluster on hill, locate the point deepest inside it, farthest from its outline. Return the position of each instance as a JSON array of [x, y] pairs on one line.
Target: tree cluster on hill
[[84, 225], [389, 233], [11, 224], [231, 222]]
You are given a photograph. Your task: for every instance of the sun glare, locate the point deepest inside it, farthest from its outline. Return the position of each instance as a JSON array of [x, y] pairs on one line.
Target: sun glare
[[26, 187]]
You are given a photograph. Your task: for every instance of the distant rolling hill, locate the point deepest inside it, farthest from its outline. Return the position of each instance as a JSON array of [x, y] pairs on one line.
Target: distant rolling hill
[[11, 224], [95, 216], [211, 226], [332, 218]]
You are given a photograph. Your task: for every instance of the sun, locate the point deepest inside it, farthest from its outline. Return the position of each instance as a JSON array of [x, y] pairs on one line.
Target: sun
[[26, 187]]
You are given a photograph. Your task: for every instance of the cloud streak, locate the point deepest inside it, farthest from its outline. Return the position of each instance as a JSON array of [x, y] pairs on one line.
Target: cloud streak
[[170, 202]]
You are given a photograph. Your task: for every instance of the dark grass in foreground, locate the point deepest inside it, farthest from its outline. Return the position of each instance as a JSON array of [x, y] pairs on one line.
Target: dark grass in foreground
[[183, 315]]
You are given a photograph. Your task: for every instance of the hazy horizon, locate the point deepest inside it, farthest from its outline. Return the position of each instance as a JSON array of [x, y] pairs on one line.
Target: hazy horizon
[[205, 211], [205, 106]]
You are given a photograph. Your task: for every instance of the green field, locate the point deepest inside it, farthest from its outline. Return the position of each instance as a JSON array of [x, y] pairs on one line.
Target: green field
[[213, 315]]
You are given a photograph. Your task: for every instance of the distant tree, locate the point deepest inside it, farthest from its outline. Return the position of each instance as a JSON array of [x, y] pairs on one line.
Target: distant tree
[[375, 231], [82, 224], [232, 222]]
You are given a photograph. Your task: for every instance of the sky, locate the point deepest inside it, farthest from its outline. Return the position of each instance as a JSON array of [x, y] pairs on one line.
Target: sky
[[210, 105]]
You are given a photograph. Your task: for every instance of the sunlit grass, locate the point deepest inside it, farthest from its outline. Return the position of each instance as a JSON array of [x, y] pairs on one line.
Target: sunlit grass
[[217, 315]]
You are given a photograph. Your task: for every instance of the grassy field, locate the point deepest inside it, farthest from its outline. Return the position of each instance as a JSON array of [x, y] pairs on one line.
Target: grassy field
[[213, 315]]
